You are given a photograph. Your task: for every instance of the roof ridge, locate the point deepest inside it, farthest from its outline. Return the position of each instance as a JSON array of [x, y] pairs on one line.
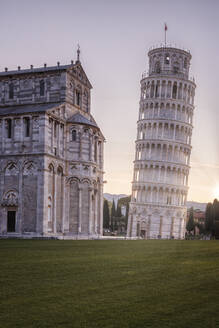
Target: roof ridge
[[36, 70]]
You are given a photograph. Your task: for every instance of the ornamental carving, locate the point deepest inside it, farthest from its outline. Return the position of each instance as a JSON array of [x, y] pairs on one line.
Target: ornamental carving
[[17, 122], [73, 168], [35, 122], [29, 169], [11, 169], [10, 198]]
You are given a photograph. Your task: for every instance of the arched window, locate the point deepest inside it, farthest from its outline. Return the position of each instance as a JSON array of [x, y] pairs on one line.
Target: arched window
[[78, 97], [174, 93], [26, 126], [11, 91], [176, 67], [74, 135], [157, 90], [51, 168], [167, 59], [157, 67], [42, 88], [95, 150], [86, 101], [152, 90], [8, 128], [60, 171], [185, 63]]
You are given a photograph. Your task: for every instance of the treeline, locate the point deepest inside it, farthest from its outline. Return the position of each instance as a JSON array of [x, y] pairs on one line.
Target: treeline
[[211, 223], [212, 218], [113, 219]]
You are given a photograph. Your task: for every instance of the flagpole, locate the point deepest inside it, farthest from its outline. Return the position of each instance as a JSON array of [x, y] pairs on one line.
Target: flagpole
[[165, 34]]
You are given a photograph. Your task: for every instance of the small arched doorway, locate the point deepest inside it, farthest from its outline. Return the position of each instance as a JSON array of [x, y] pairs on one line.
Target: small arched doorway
[[11, 220], [143, 230]]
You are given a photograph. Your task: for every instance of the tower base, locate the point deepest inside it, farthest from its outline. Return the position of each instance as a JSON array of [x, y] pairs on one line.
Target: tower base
[[149, 221]]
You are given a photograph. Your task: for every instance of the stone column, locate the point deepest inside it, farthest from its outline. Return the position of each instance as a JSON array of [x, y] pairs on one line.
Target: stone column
[[20, 209], [97, 145], [149, 156], [95, 213], [129, 226], [67, 207], [161, 225], [90, 210], [162, 133], [165, 89], [90, 148], [42, 201], [178, 91], [63, 202], [180, 227], [150, 195], [58, 138], [100, 219], [133, 231], [80, 208], [157, 130], [159, 172], [52, 133], [80, 145], [149, 227], [54, 201], [165, 174], [172, 225]]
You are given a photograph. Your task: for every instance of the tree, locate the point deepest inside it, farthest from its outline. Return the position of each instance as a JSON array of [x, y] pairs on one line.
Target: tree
[[106, 215], [215, 228], [201, 228], [118, 211], [213, 218], [126, 215], [113, 215], [115, 224], [190, 224], [118, 215], [125, 202], [209, 218]]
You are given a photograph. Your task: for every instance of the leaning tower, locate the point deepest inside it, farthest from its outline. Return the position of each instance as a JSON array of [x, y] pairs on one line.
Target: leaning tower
[[163, 147]]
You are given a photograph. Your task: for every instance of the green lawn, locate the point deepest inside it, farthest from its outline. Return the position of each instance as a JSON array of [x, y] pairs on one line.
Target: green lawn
[[109, 283]]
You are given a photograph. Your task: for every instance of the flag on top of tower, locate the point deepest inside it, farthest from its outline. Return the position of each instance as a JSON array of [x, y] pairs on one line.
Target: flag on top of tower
[[165, 27]]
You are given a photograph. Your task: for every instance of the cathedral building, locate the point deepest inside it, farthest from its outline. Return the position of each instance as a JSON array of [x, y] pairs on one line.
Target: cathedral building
[[163, 147], [51, 154]]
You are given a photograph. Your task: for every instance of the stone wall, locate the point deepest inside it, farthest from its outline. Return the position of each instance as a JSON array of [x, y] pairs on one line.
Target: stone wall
[[19, 192], [32, 88]]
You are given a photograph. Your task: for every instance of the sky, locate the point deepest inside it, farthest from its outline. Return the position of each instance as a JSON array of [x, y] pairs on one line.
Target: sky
[[114, 38]]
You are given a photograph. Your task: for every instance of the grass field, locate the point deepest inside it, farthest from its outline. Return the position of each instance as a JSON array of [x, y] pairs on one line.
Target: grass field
[[109, 283]]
